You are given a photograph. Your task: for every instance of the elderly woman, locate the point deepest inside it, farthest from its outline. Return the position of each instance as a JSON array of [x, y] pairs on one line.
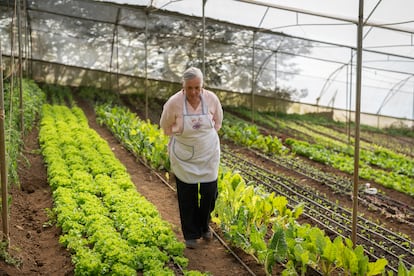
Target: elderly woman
[[192, 117]]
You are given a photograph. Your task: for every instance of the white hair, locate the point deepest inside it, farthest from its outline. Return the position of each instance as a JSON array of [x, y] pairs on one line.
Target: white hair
[[192, 73]]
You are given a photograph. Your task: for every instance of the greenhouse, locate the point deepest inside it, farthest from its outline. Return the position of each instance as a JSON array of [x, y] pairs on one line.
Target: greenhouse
[[316, 173]]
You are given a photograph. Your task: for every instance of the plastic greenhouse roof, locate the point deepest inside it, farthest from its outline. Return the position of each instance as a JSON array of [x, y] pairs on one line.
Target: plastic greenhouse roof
[[81, 33], [389, 29], [389, 23]]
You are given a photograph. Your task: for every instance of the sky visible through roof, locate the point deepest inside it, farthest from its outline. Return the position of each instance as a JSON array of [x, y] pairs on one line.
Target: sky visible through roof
[[388, 79]]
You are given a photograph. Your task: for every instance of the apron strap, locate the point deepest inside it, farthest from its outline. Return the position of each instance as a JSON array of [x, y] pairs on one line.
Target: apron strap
[[204, 108]]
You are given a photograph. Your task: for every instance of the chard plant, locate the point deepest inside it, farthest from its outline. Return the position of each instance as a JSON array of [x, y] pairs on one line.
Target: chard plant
[[404, 271], [138, 136], [248, 135], [238, 208], [244, 213]]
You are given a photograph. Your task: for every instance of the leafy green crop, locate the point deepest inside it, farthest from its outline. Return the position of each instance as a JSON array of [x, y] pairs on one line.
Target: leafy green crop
[[345, 163], [138, 136], [33, 98], [108, 227], [244, 213], [325, 145], [258, 222], [249, 135]]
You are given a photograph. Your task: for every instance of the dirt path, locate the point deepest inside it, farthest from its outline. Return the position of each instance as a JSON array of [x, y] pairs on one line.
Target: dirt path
[[32, 241]]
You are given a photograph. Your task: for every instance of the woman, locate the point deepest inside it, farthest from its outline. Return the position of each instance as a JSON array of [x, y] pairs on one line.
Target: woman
[[192, 117]]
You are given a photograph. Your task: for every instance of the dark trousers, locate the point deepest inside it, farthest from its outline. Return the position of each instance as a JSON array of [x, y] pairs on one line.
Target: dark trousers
[[195, 212]]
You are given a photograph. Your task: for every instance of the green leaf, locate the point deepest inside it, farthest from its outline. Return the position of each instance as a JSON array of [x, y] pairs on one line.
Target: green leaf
[[362, 260], [278, 244], [378, 267]]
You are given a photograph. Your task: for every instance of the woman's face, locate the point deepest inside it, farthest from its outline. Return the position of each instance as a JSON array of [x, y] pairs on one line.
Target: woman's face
[[192, 88]]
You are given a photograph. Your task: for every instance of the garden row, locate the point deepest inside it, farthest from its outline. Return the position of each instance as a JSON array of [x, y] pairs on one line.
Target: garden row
[[108, 226], [392, 138], [33, 98], [81, 175], [16, 125], [385, 167]]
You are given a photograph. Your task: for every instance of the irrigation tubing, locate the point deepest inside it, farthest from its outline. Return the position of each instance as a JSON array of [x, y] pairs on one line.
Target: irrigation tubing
[[306, 198], [298, 170], [363, 221], [345, 186]]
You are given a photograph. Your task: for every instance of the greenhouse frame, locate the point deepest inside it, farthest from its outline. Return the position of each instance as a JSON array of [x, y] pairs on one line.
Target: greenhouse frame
[[264, 63], [117, 46]]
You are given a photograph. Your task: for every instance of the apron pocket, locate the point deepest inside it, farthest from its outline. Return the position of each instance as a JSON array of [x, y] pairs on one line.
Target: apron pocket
[[182, 151]]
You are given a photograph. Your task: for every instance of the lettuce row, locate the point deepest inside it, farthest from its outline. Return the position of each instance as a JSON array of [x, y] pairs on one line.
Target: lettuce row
[[108, 226]]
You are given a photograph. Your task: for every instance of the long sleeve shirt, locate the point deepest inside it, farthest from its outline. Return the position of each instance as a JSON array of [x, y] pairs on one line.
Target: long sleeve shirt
[[172, 116]]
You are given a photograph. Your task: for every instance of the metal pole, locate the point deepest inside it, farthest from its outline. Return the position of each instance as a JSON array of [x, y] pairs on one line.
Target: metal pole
[[3, 164], [26, 40], [118, 92], [351, 62], [23, 28], [114, 35], [29, 57], [146, 64], [275, 83], [253, 76], [204, 38], [357, 122], [19, 29], [12, 52], [346, 103]]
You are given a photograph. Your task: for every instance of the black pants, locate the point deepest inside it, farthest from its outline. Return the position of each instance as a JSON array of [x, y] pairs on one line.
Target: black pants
[[195, 214]]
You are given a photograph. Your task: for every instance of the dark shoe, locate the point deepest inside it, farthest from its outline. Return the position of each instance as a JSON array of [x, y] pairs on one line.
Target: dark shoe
[[207, 235], [191, 244]]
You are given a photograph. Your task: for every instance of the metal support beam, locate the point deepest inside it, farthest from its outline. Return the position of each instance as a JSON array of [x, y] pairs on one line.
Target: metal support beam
[[357, 122], [253, 74], [328, 16], [3, 163], [147, 13], [19, 31], [204, 39]]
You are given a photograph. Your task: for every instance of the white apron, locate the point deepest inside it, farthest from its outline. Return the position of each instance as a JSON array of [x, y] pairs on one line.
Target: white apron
[[195, 153]]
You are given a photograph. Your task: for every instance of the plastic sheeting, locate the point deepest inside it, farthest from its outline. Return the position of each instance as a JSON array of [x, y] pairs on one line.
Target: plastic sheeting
[[141, 42]]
